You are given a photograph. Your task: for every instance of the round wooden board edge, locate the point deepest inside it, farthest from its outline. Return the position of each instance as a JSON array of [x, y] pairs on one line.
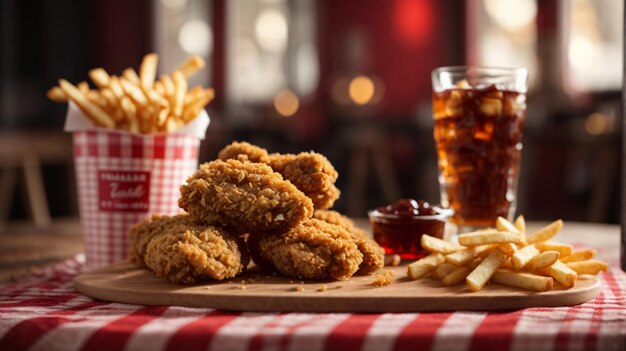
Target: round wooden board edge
[[334, 304]]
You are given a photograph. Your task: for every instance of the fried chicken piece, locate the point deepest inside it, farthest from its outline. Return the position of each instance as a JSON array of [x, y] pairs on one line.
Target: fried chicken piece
[[334, 217], [373, 254], [141, 233], [244, 151], [187, 253], [244, 196], [310, 172], [312, 250]]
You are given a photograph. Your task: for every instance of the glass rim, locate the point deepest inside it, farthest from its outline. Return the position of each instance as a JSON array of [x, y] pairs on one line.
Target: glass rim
[[481, 69], [446, 213]]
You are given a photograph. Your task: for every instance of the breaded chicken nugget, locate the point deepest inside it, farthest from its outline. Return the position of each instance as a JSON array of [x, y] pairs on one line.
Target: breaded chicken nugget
[[185, 254], [334, 217], [310, 172], [141, 233], [312, 250], [373, 254], [243, 151], [245, 196]]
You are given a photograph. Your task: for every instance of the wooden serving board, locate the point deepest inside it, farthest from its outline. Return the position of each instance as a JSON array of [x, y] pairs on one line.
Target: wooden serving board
[[123, 282]]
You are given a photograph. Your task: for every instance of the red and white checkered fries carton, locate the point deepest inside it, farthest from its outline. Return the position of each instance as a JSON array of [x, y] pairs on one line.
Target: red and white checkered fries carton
[[124, 177]]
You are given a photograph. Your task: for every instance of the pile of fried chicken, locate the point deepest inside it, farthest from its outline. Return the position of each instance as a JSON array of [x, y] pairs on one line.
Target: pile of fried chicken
[[249, 203]]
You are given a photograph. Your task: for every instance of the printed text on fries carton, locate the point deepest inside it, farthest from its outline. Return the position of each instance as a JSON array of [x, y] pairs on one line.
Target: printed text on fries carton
[[126, 191]]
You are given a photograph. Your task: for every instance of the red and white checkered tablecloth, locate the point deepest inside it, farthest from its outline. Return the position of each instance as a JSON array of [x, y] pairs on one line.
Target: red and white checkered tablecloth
[[44, 312]]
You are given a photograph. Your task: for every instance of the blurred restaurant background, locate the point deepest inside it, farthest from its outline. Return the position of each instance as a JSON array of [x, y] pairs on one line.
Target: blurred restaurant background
[[348, 79]]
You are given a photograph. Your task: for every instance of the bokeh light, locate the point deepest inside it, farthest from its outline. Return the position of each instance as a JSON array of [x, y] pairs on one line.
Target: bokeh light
[[286, 103], [361, 90], [196, 37], [270, 29], [174, 4], [596, 123], [512, 14]]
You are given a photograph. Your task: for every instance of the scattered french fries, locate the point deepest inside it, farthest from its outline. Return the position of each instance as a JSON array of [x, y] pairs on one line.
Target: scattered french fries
[[138, 102], [588, 266], [432, 244], [522, 280], [505, 255], [422, 267], [488, 236]]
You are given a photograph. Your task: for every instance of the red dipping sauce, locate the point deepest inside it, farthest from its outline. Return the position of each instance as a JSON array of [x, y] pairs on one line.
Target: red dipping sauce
[[399, 226]]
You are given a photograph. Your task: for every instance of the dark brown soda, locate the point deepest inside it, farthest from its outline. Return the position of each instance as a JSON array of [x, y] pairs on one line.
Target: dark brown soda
[[479, 140]]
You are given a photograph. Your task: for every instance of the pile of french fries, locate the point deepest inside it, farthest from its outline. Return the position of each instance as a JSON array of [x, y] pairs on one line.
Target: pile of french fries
[[139, 103], [505, 255]]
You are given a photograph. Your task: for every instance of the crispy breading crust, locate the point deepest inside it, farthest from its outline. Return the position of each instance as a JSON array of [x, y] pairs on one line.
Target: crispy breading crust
[[243, 151], [245, 196], [373, 254], [185, 254], [312, 250], [141, 233], [310, 172], [333, 217]]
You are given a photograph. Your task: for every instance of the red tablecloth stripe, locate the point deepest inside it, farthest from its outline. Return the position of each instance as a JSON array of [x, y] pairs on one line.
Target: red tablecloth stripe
[[115, 335], [25, 333], [349, 334], [495, 331], [421, 332], [197, 335]]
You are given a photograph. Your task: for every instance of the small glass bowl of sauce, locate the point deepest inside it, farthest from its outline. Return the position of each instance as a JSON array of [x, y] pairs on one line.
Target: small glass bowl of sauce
[[399, 227]]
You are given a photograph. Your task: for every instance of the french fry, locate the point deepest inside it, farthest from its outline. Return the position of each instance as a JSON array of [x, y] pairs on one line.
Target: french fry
[[100, 77], [110, 97], [520, 224], [116, 88], [588, 266], [56, 94], [191, 66], [147, 71], [456, 276], [463, 256], [83, 87], [505, 226], [522, 256], [579, 255], [508, 248], [543, 259], [193, 94], [171, 124], [488, 236], [195, 107], [481, 274], [507, 264], [95, 97], [180, 90], [442, 270], [432, 244], [545, 233], [158, 86], [424, 266], [131, 76], [561, 273], [526, 281], [90, 109], [563, 249], [135, 93], [130, 111], [168, 86]]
